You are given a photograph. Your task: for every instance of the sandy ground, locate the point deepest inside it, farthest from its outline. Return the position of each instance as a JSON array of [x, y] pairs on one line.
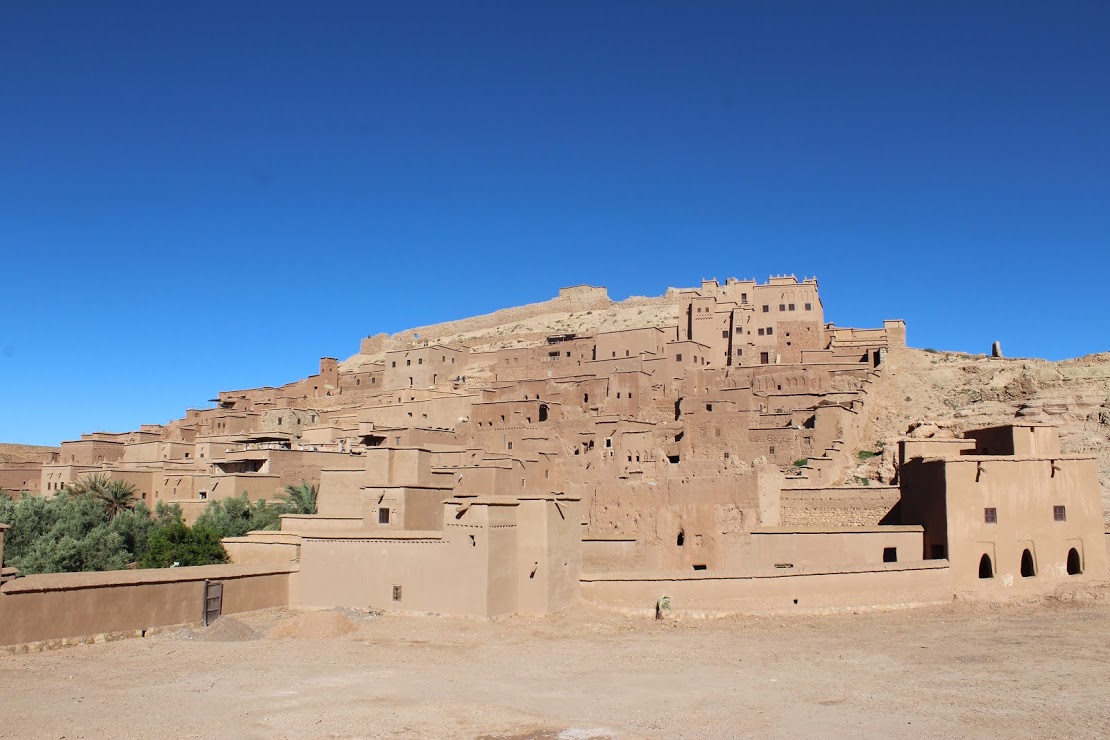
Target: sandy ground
[[962, 670]]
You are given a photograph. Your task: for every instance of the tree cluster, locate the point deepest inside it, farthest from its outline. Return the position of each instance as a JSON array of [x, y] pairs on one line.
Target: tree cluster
[[99, 524]]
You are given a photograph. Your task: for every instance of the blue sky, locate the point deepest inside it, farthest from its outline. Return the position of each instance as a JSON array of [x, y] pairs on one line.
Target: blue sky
[[209, 195]]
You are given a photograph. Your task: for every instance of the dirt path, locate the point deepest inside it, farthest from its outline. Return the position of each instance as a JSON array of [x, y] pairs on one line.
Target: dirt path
[[957, 671]]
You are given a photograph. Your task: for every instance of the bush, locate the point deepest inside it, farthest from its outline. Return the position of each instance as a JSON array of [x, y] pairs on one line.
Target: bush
[[178, 544], [866, 454], [235, 516], [77, 532], [801, 462]]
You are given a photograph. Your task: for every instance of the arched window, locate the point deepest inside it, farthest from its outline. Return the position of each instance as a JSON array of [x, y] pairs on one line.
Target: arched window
[[1075, 567], [1028, 568], [986, 568]]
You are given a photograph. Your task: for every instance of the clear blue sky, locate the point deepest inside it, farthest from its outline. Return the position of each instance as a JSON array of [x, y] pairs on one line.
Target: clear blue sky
[[197, 196]]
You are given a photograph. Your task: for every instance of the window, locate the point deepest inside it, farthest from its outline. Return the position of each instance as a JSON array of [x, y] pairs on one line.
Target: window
[[420, 361], [681, 539], [890, 554], [762, 331], [510, 445], [383, 515], [279, 421], [396, 593], [809, 306], [393, 364], [1059, 514], [408, 362], [770, 330], [766, 309], [743, 297], [791, 306], [782, 306], [708, 407], [739, 330], [986, 567], [990, 515], [678, 357], [608, 441], [764, 358], [724, 334]]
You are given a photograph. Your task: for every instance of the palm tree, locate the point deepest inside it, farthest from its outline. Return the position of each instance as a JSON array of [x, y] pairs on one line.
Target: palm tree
[[117, 496], [89, 485], [298, 499]]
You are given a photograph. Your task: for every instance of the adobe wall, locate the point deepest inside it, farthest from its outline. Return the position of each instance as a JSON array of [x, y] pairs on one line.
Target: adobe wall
[[862, 506], [72, 605], [823, 547], [882, 585], [579, 298]]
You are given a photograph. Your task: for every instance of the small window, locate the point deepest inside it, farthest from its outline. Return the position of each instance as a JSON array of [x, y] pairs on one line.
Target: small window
[[279, 421], [990, 515], [678, 357], [699, 566], [681, 539], [739, 330], [743, 297], [396, 593], [383, 515], [890, 554], [708, 407], [770, 330], [762, 331], [782, 306], [791, 307], [1059, 514], [766, 309], [809, 306], [408, 362], [420, 361], [608, 441], [393, 364]]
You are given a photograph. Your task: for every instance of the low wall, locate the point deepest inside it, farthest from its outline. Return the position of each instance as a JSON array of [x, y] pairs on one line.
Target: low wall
[[855, 506], [877, 585], [63, 605]]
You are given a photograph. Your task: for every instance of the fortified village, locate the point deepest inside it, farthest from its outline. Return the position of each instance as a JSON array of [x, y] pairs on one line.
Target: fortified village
[[697, 445]]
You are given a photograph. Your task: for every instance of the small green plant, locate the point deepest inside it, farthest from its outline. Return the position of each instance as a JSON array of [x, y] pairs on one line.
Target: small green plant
[[866, 454], [932, 351], [801, 462], [663, 605]]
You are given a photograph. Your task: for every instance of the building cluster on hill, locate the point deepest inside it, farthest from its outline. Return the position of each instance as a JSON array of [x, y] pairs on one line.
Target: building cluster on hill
[[704, 458]]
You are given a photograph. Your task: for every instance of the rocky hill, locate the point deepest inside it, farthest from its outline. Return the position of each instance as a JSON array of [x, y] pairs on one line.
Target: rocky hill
[[926, 394]]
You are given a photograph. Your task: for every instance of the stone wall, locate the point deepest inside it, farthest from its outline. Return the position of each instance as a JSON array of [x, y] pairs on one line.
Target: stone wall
[[863, 506]]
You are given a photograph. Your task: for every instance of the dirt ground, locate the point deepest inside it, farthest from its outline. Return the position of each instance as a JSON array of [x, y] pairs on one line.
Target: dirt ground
[[962, 670]]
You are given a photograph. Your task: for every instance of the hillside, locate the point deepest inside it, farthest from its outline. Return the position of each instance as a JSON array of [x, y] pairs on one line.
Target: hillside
[[929, 394]]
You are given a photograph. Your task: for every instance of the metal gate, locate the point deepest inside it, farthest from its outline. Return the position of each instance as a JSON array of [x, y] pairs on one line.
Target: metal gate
[[213, 601]]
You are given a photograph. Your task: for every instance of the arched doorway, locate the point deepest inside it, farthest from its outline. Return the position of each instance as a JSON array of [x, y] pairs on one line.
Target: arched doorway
[[986, 567], [1075, 567], [1028, 568]]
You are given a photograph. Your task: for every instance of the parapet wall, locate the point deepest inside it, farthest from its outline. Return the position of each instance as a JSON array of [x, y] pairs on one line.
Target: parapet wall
[[81, 605]]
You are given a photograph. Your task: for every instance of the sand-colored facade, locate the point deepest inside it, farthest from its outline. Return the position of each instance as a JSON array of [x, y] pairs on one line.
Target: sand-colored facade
[[702, 455]]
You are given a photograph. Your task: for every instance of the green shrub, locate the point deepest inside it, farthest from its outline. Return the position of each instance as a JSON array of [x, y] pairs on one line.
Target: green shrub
[[801, 462], [866, 454]]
